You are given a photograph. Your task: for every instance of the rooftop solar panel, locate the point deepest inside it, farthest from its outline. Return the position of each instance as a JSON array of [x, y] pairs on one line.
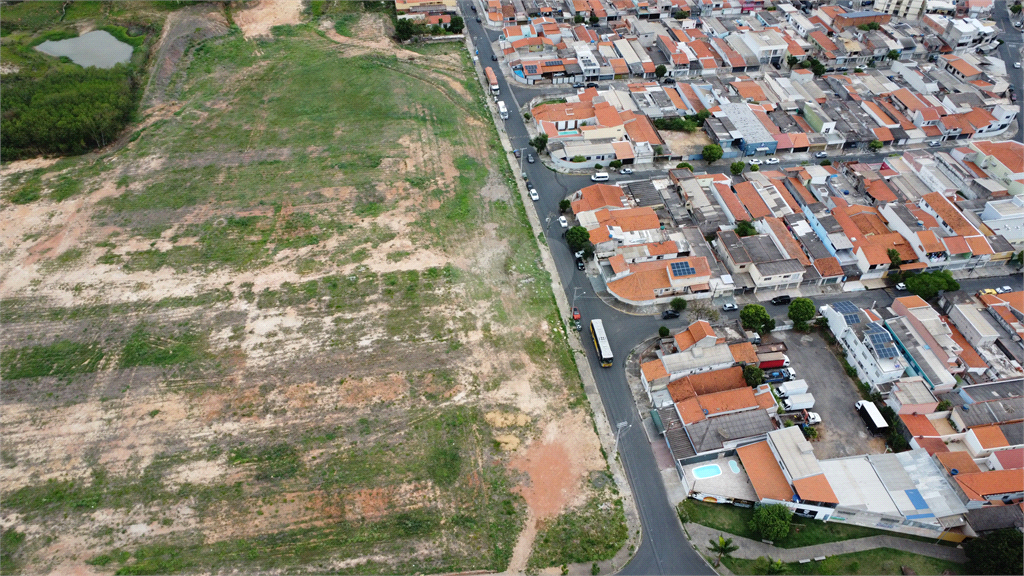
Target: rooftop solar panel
[[845, 307], [851, 318], [888, 352], [682, 269]]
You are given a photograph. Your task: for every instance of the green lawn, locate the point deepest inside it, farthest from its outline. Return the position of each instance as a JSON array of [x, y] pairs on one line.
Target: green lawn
[[803, 532], [877, 561]]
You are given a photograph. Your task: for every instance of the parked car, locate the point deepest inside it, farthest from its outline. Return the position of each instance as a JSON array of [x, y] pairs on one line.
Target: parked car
[[518, 152], [473, 6], [579, 85], [529, 158], [901, 286], [591, 84], [563, 222], [772, 161], [1004, 290], [533, 194], [730, 307], [625, 171], [1013, 96], [988, 291], [669, 315], [821, 154], [934, 144], [575, 313], [784, 299], [494, 57], [478, 21], [1016, 65], [755, 161], [580, 264], [668, 80]]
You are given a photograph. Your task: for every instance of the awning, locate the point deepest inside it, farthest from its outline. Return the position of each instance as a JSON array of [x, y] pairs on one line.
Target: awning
[[700, 287], [656, 419], [913, 266]]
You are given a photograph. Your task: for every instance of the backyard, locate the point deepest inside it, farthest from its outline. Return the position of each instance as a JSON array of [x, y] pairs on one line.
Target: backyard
[[295, 318]]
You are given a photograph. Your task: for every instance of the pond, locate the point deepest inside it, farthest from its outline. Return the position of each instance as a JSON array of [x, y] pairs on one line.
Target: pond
[[97, 48]]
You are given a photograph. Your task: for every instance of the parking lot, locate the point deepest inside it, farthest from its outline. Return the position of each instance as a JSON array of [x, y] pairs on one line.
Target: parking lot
[[841, 432]]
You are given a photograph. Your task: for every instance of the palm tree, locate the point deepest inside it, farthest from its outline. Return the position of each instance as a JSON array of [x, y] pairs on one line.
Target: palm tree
[[724, 547], [766, 565]]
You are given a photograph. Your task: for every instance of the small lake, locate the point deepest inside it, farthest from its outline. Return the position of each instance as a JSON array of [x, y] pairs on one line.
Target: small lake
[[97, 48]]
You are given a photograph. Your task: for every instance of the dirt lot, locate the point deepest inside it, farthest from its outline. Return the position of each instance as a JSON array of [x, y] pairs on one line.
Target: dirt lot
[[294, 321]]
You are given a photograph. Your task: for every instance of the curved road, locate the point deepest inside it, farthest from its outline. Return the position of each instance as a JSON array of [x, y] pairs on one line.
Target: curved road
[[664, 548]]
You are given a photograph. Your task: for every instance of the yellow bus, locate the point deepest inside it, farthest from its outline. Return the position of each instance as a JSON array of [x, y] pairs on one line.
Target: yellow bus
[[604, 349]]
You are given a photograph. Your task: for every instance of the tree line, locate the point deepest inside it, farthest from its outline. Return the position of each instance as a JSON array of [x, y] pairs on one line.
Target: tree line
[[67, 110]]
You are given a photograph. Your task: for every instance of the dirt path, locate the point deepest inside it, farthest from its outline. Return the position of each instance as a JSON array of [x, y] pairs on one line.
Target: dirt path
[[524, 546], [265, 14]]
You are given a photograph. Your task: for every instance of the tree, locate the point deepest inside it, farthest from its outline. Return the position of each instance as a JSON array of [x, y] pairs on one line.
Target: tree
[[564, 205], [703, 310], [737, 168], [681, 14], [769, 566], [818, 68], [801, 311], [686, 165], [660, 71], [826, 162], [1015, 8], [658, 150], [894, 258], [579, 19], [678, 304], [791, 60], [703, 115], [404, 30], [615, 164], [722, 548], [771, 522], [876, 145], [755, 317], [928, 284], [540, 143], [663, 332], [893, 55], [527, 116], [577, 237], [753, 375], [870, 26], [594, 20], [711, 152], [745, 228], [996, 553], [456, 25], [943, 406], [755, 168]]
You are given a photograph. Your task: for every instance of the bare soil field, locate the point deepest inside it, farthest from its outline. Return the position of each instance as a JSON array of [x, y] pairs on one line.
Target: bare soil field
[[294, 321]]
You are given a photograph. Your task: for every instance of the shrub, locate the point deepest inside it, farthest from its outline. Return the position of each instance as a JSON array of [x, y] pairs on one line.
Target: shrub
[[664, 331], [771, 522]]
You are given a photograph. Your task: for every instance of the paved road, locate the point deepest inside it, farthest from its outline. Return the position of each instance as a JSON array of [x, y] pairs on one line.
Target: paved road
[[664, 548], [1010, 52]]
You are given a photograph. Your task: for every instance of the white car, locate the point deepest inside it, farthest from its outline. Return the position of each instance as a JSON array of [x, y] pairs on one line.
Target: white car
[[1016, 65], [563, 222], [821, 154], [901, 286], [772, 161], [626, 171], [755, 161], [533, 194], [1004, 290], [730, 307]]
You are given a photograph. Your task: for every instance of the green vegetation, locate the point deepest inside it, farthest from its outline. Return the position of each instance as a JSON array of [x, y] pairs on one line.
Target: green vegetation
[[755, 317], [62, 358], [272, 463], [737, 168], [591, 532], [877, 561], [147, 349], [10, 542], [678, 304], [721, 548], [753, 375], [745, 228], [999, 552], [771, 522], [804, 531], [801, 310], [711, 153], [343, 24], [928, 284]]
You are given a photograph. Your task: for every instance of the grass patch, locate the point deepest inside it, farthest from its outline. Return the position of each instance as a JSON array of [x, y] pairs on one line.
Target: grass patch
[[877, 561], [596, 531], [275, 462], [62, 358], [147, 349], [343, 24], [803, 531], [27, 193], [65, 188]]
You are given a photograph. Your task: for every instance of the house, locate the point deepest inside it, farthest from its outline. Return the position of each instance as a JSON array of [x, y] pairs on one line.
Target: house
[[1005, 217], [911, 396], [693, 351], [759, 258], [814, 494], [658, 281], [932, 329], [1003, 161], [869, 346]]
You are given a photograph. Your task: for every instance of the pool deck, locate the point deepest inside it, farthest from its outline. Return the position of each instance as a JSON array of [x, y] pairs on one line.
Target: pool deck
[[728, 484]]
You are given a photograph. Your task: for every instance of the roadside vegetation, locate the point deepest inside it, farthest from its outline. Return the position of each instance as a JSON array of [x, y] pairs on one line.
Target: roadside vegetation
[[877, 561]]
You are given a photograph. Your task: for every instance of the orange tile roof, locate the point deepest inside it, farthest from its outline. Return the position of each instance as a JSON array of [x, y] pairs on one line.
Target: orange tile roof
[[780, 185], [640, 129], [960, 65], [706, 383], [932, 445], [828, 267], [629, 219], [563, 112], [909, 99], [765, 474], [623, 150], [882, 133], [732, 203], [823, 41], [800, 188], [816, 489], [968, 355], [792, 247], [751, 200], [913, 301], [693, 334], [927, 219], [956, 245], [888, 241], [990, 436], [979, 246], [765, 399], [749, 89], [1014, 299], [598, 196], [661, 248], [744, 352], [646, 277], [728, 400], [654, 370], [880, 191], [930, 242], [919, 425], [959, 461], [690, 410], [977, 486], [949, 214], [1008, 153], [618, 264]]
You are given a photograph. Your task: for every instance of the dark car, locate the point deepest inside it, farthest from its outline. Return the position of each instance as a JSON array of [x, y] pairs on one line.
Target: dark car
[[478, 20], [591, 85], [473, 7], [784, 299], [578, 85], [494, 58], [668, 80], [669, 315], [580, 264], [518, 152]]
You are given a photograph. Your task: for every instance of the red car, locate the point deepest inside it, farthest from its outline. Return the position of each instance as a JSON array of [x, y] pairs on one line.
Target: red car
[[575, 313]]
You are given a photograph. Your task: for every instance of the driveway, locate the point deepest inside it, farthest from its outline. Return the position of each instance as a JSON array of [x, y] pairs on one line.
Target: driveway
[[841, 432]]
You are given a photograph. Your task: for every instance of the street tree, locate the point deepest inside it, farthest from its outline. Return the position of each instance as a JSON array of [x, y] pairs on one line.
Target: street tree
[[997, 553], [737, 168], [577, 237], [754, 168], [755, 317], [686, 165], [711, 152], [660, 71], [456, 25], [540, 143], [875, 145], [594, 20], [722, 548], [664, 332], [801, 311], [771, 522], [893, 55], [678, 304], [1015, 8], [703, 310], [564, 205], [792, 60], [928, 284], [753, 375]]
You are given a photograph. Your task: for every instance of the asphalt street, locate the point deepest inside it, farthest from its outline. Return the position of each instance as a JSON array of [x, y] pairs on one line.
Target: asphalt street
[[664, 548], [1010, 52]]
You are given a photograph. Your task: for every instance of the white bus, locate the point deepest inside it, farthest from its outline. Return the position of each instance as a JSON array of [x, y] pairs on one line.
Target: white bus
[[604, 349], [502, 110]]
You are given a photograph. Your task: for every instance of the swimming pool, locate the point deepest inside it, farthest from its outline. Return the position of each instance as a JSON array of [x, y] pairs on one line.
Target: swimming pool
[[734, 467], [709, 471]]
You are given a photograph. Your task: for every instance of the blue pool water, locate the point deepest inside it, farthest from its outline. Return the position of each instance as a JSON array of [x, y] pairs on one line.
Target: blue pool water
[[734, 467], [709, 471]]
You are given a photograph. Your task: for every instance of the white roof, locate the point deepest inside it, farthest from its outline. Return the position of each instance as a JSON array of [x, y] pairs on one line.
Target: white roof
[[795, 453]]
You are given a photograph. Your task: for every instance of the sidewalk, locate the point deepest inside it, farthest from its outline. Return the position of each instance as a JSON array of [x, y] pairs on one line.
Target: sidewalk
[[751, 550]]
